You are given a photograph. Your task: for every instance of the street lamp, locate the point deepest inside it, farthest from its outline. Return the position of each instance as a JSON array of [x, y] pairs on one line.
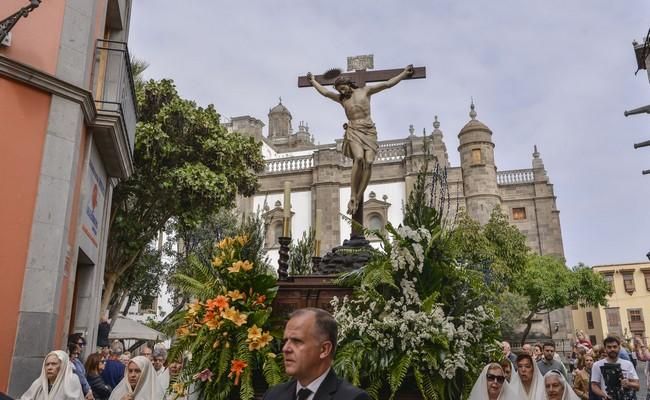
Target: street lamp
[[642, 54], [8, 23]]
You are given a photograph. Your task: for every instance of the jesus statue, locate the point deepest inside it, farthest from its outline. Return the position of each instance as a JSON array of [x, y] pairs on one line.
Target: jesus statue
[[360, 139]]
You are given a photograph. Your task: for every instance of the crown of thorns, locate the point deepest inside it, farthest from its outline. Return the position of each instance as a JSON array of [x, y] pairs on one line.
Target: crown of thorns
[[343, 80]]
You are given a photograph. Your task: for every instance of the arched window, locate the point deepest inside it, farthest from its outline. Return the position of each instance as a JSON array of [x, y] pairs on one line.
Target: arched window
[[375, 222], [277, 232]]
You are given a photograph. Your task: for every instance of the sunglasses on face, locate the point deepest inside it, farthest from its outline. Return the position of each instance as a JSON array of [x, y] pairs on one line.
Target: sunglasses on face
[[495, 378]]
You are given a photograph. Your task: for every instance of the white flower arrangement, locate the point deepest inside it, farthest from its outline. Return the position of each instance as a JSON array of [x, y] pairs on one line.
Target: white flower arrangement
[[404, 324]]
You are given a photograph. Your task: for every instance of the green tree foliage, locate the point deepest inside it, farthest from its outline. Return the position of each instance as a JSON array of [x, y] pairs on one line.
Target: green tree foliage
[[498, 249], [548, 285], [512, 308], [187, 165], [300, 254], [142, 281]]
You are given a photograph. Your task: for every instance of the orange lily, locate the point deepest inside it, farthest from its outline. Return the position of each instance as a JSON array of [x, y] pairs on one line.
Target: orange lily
[[235, 316], [236, 295], [237, 367], [220, 302]]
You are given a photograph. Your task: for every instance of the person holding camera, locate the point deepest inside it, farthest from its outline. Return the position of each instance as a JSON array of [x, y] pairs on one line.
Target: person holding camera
[[628, 384]]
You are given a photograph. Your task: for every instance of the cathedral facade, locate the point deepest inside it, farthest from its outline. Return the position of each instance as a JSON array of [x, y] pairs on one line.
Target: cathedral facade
[[319, 177]]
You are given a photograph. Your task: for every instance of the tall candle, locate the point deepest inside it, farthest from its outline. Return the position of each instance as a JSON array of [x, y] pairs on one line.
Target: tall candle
[[286, 231], [317, 224], [317, 231]]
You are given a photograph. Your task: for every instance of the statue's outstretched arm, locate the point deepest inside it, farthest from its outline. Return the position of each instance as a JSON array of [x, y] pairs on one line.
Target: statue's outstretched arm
[[408, 71], [321, 89]]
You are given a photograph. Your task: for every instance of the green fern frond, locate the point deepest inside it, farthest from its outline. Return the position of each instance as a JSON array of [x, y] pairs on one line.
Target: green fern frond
[[425, 385], [375, 387], [398, 373], [378, 272], [223, 363], [272, 371], [348, 360], [246, 390], [190, 285]]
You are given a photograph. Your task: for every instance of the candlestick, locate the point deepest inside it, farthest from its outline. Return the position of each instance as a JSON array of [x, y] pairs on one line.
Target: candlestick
[[317, 248], [286, 226], [318, 231], [317, 228]]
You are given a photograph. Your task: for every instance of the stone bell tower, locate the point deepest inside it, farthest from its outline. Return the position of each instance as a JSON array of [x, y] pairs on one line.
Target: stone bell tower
[[479, 171]]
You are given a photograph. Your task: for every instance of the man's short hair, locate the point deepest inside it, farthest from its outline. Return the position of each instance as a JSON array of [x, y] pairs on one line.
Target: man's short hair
[[73, 347], [611, 339], [548, 344], [76, 337], [325, 323], [523, 356], [117, 348], [159, 353]]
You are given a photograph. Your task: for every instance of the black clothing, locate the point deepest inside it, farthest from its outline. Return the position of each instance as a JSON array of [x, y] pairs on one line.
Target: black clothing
[[101, 390], [332, 388], [103, 330]]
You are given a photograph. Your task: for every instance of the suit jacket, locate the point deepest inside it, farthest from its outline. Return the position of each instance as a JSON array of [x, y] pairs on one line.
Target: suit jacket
[[332, 388]]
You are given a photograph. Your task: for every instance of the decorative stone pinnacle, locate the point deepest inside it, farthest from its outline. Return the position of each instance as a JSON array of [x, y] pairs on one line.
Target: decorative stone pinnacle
[[535, 152], [472, 110], [280, 98], [411, 129], [436, 123]]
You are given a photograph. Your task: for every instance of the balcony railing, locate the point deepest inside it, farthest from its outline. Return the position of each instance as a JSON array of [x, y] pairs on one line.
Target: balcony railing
[[515, 177], [114, 90], [279, 165], [387, 152]]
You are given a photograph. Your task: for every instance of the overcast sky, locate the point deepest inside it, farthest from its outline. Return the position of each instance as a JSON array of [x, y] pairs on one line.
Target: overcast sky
[[553, 73]]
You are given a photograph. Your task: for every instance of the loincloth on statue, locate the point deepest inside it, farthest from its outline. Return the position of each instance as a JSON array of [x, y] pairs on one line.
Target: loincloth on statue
[[364, 133]]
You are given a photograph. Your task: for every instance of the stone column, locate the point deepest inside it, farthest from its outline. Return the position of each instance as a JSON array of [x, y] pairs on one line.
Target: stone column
[[325, 195]]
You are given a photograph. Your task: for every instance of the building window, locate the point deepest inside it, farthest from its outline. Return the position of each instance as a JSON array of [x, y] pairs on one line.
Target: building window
[[277, 233], [646, 276], [590, 320], [613, 320], [635, 320], [376, 222], [519, 213], [592, 339], [609, 279], [628, 281], [147, 304], [476, 156]]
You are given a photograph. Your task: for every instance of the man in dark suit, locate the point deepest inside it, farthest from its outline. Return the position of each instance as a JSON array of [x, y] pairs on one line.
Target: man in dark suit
[[309, 347]]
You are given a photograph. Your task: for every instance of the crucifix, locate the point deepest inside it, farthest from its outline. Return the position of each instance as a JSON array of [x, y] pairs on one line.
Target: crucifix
[[360, 138]]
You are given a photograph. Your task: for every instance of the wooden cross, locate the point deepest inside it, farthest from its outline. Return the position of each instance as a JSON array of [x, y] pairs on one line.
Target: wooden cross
[[361, 75]]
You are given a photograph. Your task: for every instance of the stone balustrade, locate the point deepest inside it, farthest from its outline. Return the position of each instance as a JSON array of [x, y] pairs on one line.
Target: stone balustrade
[[515, 177], [289, 164]]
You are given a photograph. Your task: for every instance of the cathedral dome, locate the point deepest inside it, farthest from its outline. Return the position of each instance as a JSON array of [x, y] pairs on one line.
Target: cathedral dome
[[474, 124], [279, 109]]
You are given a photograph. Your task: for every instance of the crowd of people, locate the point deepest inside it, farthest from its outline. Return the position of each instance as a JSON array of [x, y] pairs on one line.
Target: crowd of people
[[537, 373], [112, 374], [310, 335], [108, 374]]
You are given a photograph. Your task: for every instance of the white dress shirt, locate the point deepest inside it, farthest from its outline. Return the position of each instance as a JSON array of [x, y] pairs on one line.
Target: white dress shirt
[[313, 386]]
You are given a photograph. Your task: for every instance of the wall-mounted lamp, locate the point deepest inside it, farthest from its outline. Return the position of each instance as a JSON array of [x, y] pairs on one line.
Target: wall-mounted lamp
[[9, 22]]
